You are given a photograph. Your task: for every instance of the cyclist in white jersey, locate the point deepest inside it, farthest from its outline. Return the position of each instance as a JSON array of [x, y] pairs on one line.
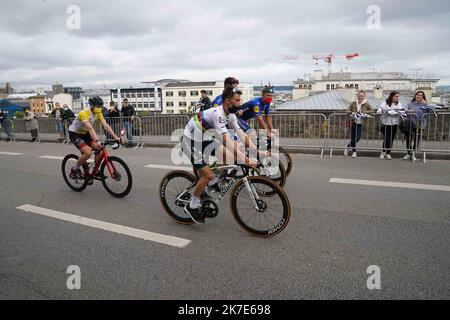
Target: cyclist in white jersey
[[203, 135]]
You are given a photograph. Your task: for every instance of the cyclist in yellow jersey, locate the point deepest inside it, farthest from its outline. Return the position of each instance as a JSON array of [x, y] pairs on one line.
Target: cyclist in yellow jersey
[[83, 136]]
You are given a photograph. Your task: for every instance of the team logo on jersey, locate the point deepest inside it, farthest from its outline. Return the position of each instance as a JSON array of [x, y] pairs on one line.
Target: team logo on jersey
[[256, 109]]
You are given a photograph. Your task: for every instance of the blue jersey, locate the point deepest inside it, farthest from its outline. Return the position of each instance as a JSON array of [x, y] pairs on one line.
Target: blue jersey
[[255, 108], [217, 102]]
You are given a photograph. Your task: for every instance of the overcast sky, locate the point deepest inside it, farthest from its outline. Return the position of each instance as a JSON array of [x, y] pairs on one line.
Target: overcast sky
[[126, 42]]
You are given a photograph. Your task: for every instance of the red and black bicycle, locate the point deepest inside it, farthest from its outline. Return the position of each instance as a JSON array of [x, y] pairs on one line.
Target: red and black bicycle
[[113, 172]]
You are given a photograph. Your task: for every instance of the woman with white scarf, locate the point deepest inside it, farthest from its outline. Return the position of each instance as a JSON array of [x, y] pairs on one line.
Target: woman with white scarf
[[356, 127], [390, 122]]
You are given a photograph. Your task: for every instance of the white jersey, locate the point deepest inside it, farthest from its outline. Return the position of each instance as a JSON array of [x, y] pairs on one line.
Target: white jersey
[[213, 119]]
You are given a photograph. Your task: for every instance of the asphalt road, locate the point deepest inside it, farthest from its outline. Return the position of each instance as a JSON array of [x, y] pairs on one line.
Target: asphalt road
[[336, 232]]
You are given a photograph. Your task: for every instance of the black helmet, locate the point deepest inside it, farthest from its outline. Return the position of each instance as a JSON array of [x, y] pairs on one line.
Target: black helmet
[[267, 90], [95, 101]]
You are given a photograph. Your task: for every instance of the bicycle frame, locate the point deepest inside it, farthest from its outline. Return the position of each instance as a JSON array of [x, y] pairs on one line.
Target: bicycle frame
[[250, 189], [103, 157]]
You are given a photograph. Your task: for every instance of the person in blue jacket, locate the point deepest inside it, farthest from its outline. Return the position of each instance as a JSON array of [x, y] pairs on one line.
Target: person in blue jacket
[[229, 82]]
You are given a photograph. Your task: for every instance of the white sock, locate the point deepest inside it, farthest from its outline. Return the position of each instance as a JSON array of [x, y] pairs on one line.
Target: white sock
[[195, 202]]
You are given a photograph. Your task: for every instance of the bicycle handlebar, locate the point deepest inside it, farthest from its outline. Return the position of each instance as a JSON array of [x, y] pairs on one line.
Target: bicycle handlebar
[[114, 143]]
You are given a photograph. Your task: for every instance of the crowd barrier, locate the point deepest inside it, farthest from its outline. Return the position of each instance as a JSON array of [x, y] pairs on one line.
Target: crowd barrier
[[296, 131]]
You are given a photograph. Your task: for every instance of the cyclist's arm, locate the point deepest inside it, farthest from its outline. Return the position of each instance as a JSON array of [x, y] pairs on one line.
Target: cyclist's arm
[[269, 125], [108, 129], [231, 146]]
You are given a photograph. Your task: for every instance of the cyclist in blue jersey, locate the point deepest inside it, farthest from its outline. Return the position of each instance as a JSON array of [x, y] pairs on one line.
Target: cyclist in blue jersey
[[229, 82], [259, 109]]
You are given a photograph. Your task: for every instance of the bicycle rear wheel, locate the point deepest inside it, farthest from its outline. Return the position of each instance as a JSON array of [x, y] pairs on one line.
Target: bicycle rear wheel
[[175, 193], [68, 163], [273, 213], [116, 178]]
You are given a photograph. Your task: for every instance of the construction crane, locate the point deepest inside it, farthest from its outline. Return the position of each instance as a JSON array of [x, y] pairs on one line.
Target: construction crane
[[328, 58]]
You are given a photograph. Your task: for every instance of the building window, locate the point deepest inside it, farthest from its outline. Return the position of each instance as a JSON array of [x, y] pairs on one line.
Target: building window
[[182, 93], [194, 93], [139, 95], [146, 105], [328, 87], [145, 95], [169, 104], [209, 92], [169, 94], [182, 104], [193, 103]]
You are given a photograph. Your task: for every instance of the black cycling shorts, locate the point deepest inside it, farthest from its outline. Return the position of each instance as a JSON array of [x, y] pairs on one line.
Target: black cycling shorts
[[80, 140], [199, 152]]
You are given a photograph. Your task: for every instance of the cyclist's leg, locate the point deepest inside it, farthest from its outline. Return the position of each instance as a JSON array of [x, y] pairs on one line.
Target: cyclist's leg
[[82, 143]]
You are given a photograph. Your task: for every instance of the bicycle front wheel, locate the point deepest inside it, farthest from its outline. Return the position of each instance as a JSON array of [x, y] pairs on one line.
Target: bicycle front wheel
[[116, 177], [286, 160], [268, 215], [68, 163]]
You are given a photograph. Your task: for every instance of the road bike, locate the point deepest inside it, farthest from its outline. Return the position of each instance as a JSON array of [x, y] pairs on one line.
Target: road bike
[[257, 204], [113, 172]]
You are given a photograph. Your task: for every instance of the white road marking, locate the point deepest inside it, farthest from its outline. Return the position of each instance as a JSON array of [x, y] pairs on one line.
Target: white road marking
[[163, 167], [136, 233], [10, 154], [60, 158], [51, 158], [392, 184]]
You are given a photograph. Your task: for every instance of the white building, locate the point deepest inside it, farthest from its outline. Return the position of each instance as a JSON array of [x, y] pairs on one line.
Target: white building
[[387, 81], [181, 97], [104, 94], [61, 98], [142, 99]]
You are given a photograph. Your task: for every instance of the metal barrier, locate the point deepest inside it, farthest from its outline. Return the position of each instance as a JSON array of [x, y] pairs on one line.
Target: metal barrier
[[7, 128], [20, 130], [51, 129], [300, 131], [373, 135], [296, 130], [159, 129], [435, 137]]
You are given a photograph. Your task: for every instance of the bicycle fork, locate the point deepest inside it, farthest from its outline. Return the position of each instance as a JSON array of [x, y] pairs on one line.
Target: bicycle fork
[[252, 193]]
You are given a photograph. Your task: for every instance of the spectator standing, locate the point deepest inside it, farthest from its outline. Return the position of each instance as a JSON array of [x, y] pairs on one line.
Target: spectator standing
[[356, 124], [31, 124], [128, 113], [205, 101], [112, 118], [389, 122], [67, 118], [57, 114], [5, 123], [413, 131]]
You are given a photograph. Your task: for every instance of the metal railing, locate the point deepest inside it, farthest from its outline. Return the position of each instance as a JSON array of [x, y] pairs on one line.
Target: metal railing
[[373, 134], [296, 130], [435, 137]]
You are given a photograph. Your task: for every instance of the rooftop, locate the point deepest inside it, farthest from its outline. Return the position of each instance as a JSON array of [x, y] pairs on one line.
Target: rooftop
[[332, 100], [191, 84]]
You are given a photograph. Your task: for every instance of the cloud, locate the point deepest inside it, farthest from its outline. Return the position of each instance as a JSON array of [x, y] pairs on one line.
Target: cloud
[[127, 42]]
